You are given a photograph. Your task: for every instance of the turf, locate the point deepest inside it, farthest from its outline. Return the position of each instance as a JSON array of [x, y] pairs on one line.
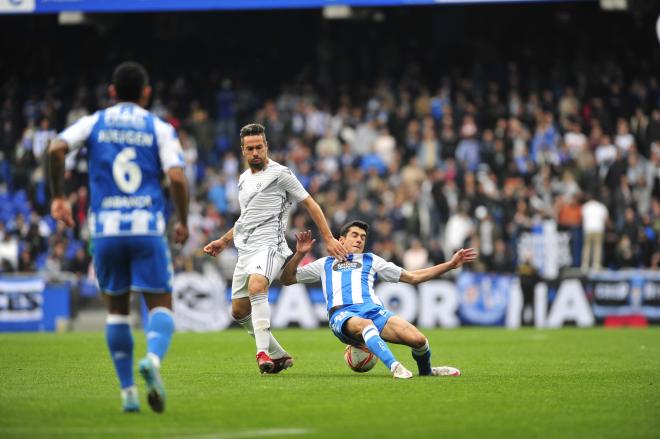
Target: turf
[[569, 383]]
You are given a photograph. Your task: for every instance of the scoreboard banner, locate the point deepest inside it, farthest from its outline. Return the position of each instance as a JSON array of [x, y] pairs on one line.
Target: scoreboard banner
[[56, 6]]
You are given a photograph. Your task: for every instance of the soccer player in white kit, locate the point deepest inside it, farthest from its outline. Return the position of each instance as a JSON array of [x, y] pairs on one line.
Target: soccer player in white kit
[[266, 191], [356, 315]]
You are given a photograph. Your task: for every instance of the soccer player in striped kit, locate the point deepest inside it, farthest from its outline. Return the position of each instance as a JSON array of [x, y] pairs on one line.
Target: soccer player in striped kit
[[129, 149], [356, 314], [266, 191]]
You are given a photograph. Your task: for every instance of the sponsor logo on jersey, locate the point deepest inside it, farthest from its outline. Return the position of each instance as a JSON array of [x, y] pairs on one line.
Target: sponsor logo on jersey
[[346, 266]]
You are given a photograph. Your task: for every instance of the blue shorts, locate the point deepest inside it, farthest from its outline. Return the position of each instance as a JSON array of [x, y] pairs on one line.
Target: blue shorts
[[376, 313], [133, 263]]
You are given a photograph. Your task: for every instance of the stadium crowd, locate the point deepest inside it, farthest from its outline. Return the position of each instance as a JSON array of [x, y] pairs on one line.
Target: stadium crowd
[[472, 162], [482, 154]]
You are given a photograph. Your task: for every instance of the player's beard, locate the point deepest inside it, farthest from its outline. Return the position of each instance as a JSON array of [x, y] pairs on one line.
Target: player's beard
[[258, 166]]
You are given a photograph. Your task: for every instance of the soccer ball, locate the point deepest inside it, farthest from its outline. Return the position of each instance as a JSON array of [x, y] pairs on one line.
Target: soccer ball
[[359, 359]]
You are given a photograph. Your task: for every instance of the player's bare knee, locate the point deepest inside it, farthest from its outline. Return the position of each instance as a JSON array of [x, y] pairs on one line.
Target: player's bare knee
[[418, 341], [257, 285]]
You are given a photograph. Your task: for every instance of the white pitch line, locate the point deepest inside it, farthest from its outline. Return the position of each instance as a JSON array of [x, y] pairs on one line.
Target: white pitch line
[[268, 432]]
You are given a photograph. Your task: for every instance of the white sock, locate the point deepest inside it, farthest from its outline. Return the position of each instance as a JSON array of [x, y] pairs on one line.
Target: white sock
[[275, 350], [261, 320]]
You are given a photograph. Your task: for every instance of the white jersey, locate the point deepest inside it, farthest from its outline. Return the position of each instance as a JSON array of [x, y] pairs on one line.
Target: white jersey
[[265, 198], [350, 282]]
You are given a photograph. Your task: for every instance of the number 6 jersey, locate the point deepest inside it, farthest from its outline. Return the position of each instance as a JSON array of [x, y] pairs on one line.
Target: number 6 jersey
[[129, 148]]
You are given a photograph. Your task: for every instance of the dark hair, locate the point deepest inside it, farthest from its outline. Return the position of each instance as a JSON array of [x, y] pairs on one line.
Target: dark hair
[[253, 129], [129, 78], [355, 223]]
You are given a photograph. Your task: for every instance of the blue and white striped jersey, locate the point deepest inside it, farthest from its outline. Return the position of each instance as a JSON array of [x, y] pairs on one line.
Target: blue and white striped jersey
[[352, 281], [129, 148]]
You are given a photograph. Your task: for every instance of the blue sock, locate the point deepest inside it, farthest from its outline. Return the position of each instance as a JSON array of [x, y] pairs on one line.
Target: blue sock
[[159, 331], [120, 343], [423, 358], [378, 346]]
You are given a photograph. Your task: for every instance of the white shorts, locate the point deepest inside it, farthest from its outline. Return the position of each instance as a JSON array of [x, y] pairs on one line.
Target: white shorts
[[267, 262]]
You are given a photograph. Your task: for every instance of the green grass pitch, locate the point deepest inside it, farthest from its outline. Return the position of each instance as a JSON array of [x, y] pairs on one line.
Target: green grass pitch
[[568, 383]]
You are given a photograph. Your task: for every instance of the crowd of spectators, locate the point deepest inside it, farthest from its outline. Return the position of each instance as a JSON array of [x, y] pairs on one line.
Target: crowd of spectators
[[434, 162], [432, 170]]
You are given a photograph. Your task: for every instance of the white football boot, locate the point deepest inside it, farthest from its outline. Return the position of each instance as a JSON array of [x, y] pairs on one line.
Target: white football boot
[[445, 371], [400, 371]]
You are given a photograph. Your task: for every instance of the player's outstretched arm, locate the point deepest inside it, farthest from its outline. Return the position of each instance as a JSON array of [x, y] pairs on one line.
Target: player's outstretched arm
[[214, 248], [304, 243], [60, 207], [461, 257], [333, 246], [179, 192]]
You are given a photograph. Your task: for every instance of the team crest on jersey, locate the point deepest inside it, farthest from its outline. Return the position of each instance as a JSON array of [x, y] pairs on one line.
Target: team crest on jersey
[[346, 266]]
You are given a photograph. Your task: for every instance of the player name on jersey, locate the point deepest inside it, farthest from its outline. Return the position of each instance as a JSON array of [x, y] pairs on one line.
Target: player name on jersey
[[119, 202], [127, 137]]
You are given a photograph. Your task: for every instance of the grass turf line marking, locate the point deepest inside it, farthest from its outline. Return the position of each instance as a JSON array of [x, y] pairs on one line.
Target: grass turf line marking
[[268, 432]]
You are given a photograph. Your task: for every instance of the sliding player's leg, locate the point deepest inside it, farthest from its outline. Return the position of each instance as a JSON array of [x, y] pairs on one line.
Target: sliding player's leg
[[351, 326], [400, 331]]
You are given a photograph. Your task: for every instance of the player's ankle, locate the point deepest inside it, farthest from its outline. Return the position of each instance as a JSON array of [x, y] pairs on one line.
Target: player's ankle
[[155, 359]]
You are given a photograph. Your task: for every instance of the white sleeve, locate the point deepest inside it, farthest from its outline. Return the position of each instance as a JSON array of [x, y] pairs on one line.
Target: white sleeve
[[79, 132], [169, 147], [387, 271], [291, 185], [310, 272]]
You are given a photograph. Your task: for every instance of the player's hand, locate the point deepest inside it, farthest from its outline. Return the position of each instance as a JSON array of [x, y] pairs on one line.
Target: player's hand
[[463, 256], [304, 241], [60, 209], [214, 248], [180, 233], [337, 250]]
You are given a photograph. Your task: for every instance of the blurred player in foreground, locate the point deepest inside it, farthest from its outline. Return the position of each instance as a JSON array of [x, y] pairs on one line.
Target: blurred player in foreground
[[356, 314], [129, 149], [266, 191]]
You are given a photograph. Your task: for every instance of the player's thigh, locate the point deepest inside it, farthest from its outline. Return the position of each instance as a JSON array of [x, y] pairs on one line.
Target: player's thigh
[[263, 267], [355, 325], [151, 265], [401, 331], [338, 321], [158, 300], [112, 265], [118, 303]]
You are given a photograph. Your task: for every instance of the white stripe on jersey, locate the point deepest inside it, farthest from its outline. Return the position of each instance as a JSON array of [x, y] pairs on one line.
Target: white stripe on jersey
[[349, 282]]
